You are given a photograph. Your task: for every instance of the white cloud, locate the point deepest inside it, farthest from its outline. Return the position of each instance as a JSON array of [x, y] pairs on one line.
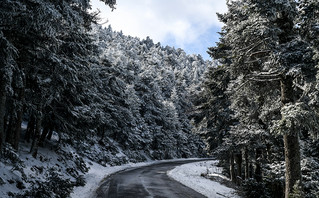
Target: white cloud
[[184, 21]]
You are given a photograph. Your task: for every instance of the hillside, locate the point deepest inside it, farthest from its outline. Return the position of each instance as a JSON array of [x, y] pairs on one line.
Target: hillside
[[132, 106]]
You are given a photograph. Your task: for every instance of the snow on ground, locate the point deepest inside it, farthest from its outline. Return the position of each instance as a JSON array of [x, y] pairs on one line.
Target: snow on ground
[[19, 176], [96, 175], [187, 174], [190, 175]]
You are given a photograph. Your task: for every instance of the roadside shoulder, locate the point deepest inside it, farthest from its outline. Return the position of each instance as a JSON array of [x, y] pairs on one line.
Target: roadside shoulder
[[191, 176]]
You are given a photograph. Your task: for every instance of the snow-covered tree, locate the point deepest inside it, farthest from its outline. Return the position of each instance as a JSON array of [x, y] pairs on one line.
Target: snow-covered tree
[[8, 54], [99, 84], [51, 44], [261, 46], [156, 99], [212, 111]]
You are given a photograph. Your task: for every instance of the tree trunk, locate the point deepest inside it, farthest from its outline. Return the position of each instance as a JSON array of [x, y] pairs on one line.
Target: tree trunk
[[291, 143], [30, 129], [49, 136], [292, 158], [2, 113], [36, 139], [18, 85], [232, 167], [17, 128], [239, 161], [9, 128], [44, 134], [13, 131], [251, 170], [246, 163], [258, 170]]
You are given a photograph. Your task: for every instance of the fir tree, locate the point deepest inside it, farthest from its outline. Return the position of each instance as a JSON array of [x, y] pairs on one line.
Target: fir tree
[[261, 46]]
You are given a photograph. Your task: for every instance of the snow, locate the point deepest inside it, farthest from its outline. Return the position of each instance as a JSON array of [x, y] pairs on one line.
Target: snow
[[96, 176], [187, 174], [190, 175], [6, 177], [16, 178]]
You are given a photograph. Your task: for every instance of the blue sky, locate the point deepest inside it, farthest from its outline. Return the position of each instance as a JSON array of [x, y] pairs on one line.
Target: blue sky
[[188, 24]]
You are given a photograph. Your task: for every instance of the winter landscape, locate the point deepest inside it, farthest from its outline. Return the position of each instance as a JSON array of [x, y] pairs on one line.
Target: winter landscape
[[87, 111]]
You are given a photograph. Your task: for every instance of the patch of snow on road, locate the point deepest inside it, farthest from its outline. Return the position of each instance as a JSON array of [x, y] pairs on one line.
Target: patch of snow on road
[[190, 175]]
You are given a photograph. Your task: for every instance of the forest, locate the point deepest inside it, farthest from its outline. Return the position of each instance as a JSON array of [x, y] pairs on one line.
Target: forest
[[86, 92], [117, 99], [258, 109]]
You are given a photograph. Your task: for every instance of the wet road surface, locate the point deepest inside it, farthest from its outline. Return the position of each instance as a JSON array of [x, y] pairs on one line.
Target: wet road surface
[[146, 182]]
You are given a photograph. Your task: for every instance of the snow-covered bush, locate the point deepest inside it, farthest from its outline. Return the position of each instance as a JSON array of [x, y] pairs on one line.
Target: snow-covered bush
[[55, 185]]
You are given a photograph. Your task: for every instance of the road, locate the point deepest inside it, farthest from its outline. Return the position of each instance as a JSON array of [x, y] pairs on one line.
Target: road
[[146, 182]]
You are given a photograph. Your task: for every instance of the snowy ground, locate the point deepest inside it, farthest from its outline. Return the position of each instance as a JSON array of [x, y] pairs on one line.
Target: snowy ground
[[187, 174], [96, 175], [21, 175], [190, 175]]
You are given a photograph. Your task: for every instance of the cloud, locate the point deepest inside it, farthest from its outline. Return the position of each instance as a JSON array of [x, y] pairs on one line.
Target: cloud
[[180, 21]]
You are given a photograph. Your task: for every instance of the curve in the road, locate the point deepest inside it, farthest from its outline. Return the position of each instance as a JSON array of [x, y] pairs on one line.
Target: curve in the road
[[146, 182]]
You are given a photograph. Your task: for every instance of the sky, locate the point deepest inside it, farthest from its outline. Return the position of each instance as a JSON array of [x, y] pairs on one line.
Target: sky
[[188, 24]]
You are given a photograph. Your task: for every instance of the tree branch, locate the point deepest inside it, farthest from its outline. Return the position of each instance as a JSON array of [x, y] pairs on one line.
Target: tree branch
[[264, 80], [259, 53]]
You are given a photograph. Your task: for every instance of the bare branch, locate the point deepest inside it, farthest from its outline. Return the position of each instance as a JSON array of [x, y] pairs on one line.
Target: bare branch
[[265, 76], [240, 86], [254, 46], [269, 74], [259, 53], [253, 61], [264, 80]]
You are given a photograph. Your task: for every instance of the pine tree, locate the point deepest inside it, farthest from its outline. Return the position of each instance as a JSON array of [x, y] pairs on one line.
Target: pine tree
[[148, 97], [8, 54], [261, 46], [213, 107], [47, 47]]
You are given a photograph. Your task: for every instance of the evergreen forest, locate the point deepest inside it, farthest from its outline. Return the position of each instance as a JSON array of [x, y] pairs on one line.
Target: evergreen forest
[[70, 86]]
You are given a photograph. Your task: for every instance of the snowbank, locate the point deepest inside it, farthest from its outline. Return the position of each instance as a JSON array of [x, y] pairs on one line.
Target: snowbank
[[190, 175], [98, 173], [96, 176], [187, 174]]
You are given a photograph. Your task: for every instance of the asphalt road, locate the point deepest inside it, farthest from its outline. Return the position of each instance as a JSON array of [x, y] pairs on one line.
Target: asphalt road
[[148, 181]]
